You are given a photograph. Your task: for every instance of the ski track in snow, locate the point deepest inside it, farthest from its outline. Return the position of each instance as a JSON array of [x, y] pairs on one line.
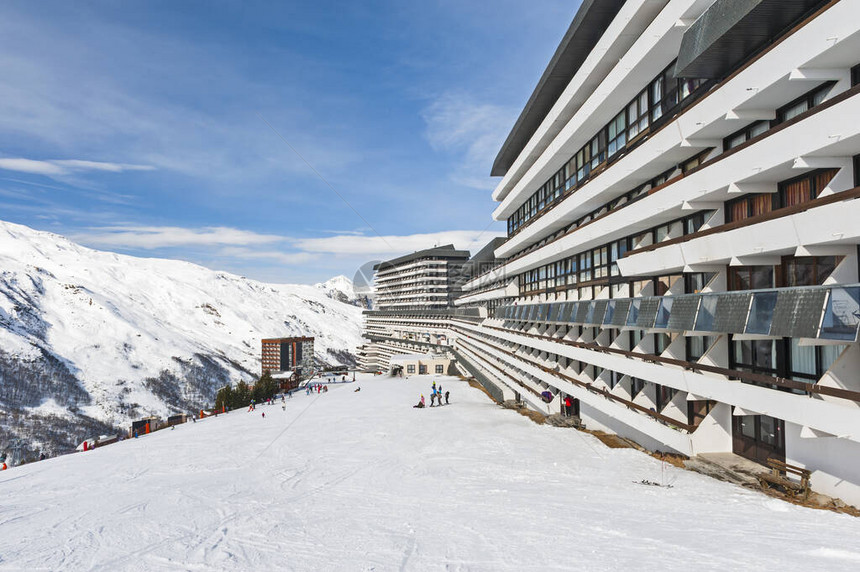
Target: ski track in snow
[[362, 481]]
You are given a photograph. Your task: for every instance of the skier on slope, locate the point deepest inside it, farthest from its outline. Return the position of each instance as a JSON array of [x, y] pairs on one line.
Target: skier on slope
[[420, 403], [446, 397]]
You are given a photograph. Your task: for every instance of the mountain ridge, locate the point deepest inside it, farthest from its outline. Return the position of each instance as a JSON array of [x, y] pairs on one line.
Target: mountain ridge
[[95, 339]]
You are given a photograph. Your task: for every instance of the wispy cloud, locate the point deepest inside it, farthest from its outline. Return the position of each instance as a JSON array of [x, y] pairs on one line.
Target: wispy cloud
[[155, 237], [394, 245], [63, 167], [475, 131], [289, 258]]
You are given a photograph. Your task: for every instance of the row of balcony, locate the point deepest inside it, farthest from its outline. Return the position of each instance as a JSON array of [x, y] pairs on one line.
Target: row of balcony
[[823, 312]]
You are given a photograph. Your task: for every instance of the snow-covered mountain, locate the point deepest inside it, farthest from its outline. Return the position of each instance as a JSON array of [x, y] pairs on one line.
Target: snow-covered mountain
[[90, 340], [339, 288]]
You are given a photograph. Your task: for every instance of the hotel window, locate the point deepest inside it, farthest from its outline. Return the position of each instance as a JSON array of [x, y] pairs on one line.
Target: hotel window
[[759, 356], [637, 115], [664, 94], [614, 379], [656, 96], [597, 146], [616, 134], [750, 277], [661, 342], [693, 223], [440, 369], [748, 206], [636, 337], [583, 163], [601, 262], [805, 188], [664, 231], [804, 103], [585, 267], [808, 270], [698, 410], [636, 385], [410, 368], [855, 75], [695, 282], [665, 395], [697, 346], [745, 134], [617, 250], [694, 162], [690, 85], [662, 284], [857, 170]]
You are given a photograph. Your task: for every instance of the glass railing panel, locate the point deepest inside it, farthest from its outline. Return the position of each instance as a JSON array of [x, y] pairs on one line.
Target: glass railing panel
[[664, 310], [633, 313], [589, 315], [706, 315], [599, 311], [647, 313], [622, 307], [732, 311], [683, 314], [761, 313], [609, 313], [581, 312], [841, 314], [798, 312], [574, 310]]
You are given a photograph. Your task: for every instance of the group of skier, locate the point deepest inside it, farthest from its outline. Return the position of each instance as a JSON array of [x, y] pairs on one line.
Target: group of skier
[[435, 397]]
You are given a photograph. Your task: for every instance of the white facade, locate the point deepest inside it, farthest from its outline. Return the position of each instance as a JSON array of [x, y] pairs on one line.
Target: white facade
[[692, 283], [406, 290]]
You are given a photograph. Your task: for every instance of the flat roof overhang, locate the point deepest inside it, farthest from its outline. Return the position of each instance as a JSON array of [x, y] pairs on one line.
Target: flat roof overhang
[[589, 24]]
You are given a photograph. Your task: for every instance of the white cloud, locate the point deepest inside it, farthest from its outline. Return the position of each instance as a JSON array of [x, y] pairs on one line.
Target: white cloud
[[393, 245], [273, 255], [152, 237], [475, 131], [61, 167]]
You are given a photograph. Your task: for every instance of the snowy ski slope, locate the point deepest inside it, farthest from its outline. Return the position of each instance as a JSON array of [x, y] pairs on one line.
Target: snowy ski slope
[[362, 481], [98, 335]]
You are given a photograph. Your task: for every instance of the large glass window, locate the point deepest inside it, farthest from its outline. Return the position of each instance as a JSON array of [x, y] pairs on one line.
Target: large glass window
[[857, 170], [637, 115], [601, 262], [665, 394], [855, 75], [616, 134], [808, 270], [803, 103], [617, 250], [805, 188], [755, 355], [597, 146], [748, 206], [745, 134], [585, 267], [697, 346], [750, 277]]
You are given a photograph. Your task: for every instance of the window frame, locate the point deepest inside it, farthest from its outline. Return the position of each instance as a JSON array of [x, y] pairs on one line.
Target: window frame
[[810, 99]]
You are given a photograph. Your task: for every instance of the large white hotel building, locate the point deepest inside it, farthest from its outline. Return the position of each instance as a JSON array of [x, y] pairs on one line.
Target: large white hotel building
[[681, 194]]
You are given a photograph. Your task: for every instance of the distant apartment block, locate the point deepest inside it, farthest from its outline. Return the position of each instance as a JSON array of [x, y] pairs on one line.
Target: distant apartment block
[[288, 355]]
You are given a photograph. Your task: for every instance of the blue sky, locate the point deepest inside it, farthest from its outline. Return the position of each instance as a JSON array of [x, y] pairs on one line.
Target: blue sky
[[158, 128]]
